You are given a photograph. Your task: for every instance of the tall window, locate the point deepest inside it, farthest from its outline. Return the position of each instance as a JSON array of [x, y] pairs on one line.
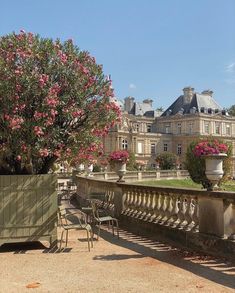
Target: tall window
[[179, 149], [179, 128], [149, 128], [217, 127], [139, 148], [137, 127], [153, 148], [228, 129], [190, 128], [124, 144], [206, 127], [167, 128], [165, 147]]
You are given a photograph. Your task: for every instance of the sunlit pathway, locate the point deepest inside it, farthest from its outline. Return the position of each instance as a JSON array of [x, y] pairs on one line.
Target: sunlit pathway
[[128, 264]]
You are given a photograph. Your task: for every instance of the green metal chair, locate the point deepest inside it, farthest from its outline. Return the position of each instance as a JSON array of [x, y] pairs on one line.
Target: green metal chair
[[97, 219], [66, 222]]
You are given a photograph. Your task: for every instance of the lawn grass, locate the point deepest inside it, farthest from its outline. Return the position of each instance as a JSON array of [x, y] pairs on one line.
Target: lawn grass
[[183, 183]]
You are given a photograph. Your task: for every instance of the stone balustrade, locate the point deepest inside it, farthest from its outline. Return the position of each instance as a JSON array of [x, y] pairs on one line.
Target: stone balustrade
[[207, 212], [141, 175]]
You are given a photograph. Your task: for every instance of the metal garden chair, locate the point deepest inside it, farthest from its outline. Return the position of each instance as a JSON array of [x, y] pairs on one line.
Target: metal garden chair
[[97, 219], [66, 222]]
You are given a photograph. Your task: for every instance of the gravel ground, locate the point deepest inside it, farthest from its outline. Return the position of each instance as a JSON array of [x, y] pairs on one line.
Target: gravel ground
[[128, 264]]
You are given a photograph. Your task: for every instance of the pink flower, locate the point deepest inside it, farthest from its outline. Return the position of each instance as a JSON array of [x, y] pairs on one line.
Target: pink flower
[[44, 152], [119, 156], [18, 158], [211, 147], [38, 131], [15, 123]]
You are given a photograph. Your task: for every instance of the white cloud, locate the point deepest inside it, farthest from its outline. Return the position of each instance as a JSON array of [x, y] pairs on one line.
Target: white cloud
[[230, 67], [132, 86]]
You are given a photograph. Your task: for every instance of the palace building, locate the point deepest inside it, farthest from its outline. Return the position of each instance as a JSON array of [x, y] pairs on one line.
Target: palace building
[[147, 132]]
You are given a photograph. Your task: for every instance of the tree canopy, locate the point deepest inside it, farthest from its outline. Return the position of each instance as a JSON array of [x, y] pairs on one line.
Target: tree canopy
[[231, 110], [55, 102]]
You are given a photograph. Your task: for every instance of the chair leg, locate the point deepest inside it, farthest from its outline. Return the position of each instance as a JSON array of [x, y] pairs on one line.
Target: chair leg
[[61, 239], [88, 239], [117, 228], [112, 227], [67, 236], [98, 235], [91, 236]]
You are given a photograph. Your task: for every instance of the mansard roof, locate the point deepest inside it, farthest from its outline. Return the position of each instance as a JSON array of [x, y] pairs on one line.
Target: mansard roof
[[142, 109], [198, 103]]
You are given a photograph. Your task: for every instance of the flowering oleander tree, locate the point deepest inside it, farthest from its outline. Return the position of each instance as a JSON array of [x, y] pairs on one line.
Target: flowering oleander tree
[[195, 158], [54, 102]]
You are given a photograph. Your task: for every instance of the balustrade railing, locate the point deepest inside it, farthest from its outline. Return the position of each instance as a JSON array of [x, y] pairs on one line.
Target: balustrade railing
[[211, 212], [132, 176]]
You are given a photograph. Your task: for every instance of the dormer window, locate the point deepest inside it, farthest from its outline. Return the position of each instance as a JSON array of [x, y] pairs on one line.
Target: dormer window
[[193, 110], [168, 113]]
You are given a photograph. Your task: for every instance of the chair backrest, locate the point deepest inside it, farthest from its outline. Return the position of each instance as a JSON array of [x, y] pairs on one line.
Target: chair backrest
[[95, 211], [62, 216]]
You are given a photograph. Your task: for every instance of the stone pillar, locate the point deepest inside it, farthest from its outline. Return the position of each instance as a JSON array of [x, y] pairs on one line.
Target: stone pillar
[[158, 174], [118, 201], [139, 175], [215, 216]]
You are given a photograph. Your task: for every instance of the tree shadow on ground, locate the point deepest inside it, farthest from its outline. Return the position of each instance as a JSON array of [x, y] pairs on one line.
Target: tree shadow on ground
[[214, 269]]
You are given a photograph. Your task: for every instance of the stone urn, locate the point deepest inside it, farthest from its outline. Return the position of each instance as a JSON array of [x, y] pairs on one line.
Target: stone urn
[[89, 170], [120, 169], [214, 169], [80, 168]]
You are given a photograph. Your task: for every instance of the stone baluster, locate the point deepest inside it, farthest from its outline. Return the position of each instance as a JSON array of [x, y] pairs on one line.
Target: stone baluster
[[132, 205], [195, 212], [138, 203], [150, 206], [156, 205], [181, 213], [143, 204], [170, 208], [175, 210], [187, 215], [127, 202], [147, 204], [167, 207], [161, 207]]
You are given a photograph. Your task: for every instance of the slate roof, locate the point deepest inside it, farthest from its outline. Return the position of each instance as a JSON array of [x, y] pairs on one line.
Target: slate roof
[[198, 102], [141, 108]]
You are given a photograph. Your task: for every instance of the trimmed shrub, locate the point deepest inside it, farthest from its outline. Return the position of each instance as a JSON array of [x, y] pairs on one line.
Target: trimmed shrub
[[196, 164], [166, 161]]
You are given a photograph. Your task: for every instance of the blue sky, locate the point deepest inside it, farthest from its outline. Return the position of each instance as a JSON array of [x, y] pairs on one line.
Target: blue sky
[[151, 48]]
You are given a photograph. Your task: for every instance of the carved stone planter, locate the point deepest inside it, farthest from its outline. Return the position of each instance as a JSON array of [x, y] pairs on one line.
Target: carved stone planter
[[120, 169], [214, 168], [28, 208]]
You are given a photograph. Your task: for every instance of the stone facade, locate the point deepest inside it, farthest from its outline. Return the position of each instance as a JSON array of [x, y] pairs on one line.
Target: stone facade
[[146, 133]]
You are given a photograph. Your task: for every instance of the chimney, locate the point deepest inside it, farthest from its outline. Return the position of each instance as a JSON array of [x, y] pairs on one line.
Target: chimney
[[128, 103], [148, 101], [207, 92], [188, 94]]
